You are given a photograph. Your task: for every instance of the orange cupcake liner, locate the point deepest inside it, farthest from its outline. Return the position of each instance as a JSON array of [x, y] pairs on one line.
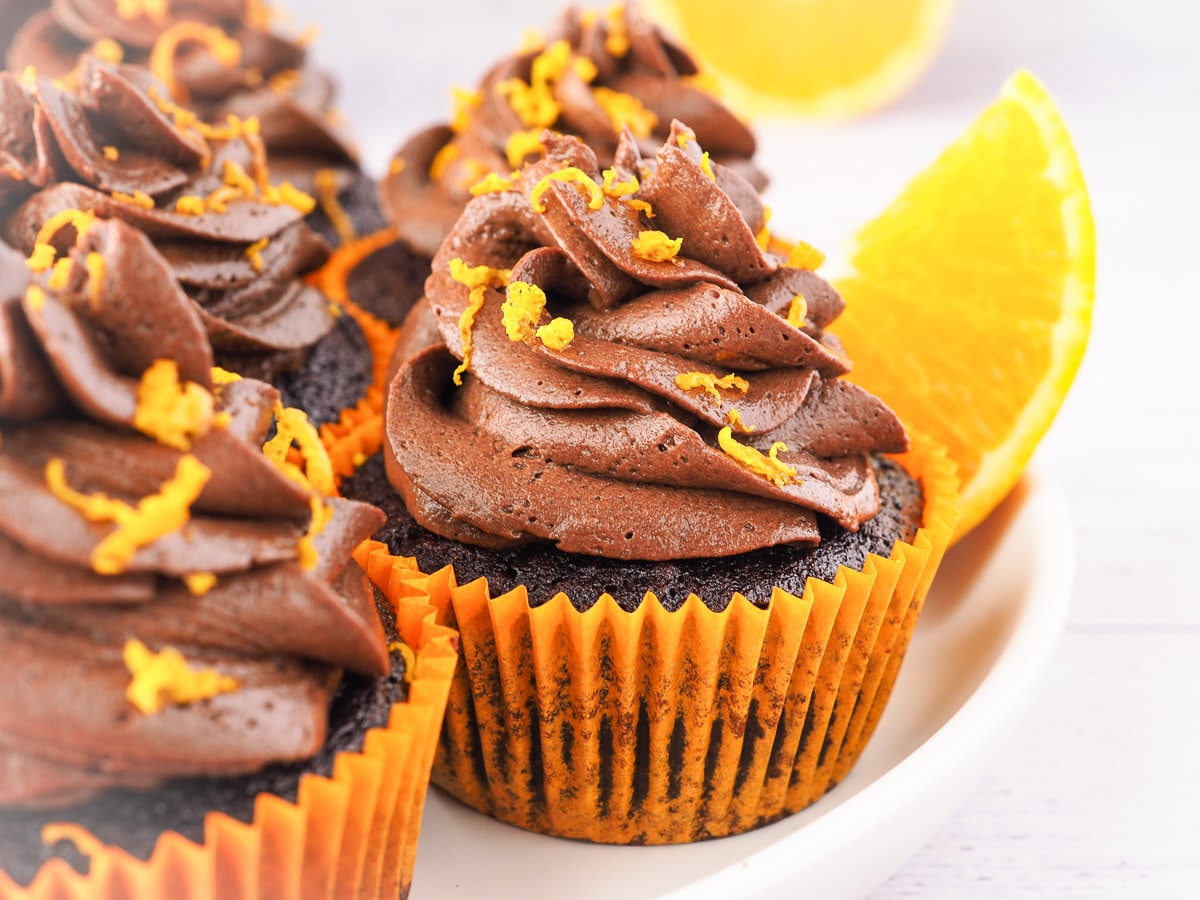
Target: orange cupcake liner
[[666, 727], [358, 433], [353, 834]]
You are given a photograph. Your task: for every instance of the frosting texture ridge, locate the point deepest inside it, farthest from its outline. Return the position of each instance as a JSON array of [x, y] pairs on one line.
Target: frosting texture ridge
[[639, 378]]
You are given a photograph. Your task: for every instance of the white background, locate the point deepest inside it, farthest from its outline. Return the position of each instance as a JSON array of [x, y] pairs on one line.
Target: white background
[[1097, 792]]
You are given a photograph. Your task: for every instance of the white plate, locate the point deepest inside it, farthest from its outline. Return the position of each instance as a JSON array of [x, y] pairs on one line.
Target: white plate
[[989, 626]]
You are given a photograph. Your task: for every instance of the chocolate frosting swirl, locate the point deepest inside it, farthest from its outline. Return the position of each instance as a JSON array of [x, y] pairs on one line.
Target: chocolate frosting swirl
[[270, 80], [115, 147], [600, 445], [73, 349], [617, 58]]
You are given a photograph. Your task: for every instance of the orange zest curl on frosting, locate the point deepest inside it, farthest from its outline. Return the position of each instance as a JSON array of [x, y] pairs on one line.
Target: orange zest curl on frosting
[[625, 110], [224, 376], [805, 256], [441, 161], [137, 198], [557, 334], [521, 144], [44, 254], [111, 153], [491, 183], [769, 466], [569, 174], [200, 583], [165, 678], [618, 189], [254, 253], [224, 49], [306, 549], [172, 413], [190, 205], [797, 311], [734, 418], [616, 42], [96, 270], [154, 517], [706, 167], [478, 279], [763, 238], [711, 384], [154, 10], [464, 102], [522, 308], [534, 102], [656, 246], [35, 297], [107, 50], [59, 274], [292, 427]]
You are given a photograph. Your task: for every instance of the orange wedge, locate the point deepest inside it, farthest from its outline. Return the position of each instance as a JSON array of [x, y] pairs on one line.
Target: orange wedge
[[819, 58], [969, 301]]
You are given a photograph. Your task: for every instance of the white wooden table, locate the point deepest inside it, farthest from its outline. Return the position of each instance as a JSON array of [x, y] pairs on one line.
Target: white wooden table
[[1097, 792]]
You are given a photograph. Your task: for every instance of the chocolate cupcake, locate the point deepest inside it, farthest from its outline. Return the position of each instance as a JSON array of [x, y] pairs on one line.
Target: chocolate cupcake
[[217, 60], [179, 605], [236, 237], [695, 552]]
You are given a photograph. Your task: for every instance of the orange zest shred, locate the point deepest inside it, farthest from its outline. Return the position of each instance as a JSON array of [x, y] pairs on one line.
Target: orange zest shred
[[734, 418], [154, 10], [283, 82], [464, 102], [35, 297], [41, 260], [805, 256], [292, 427], [224, 376], [59, 274], [326, 184], [137, 198], [224, 49], [625, 110], [492, 183], [96, 270], [711, 384], [442, 160], [521, 144], [396, 166], [763, 238], [111, 153], [798, 311], [306, 549], [107, 50], [154, 517], [572, 175], [165, 678], [522, 308], [478, 279], [557, 334], [656, 246], [616, 42], [617, 189], [534, 102], [172, 413], [254, 253], [190, 205], [706, 167], [200, 583], [769, 466]]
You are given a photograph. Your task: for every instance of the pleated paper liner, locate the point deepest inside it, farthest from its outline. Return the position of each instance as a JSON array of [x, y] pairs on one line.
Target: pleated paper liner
[[351, 835], [358, 432], [666, 727]]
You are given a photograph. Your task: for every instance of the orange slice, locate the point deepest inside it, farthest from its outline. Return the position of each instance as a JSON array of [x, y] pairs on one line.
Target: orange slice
[[820, 58], [969, 301]]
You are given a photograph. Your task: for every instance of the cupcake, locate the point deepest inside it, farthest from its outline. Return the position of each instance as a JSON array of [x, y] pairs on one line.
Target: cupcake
[[217, 60], [200, 684], [684, 554], [115, 146]]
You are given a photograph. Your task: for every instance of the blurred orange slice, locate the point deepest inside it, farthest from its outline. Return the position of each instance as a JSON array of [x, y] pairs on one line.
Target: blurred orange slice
[[969, 301], [821, 58]]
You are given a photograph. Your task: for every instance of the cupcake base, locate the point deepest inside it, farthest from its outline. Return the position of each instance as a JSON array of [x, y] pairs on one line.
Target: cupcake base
[[347, 818], [657, 726]]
